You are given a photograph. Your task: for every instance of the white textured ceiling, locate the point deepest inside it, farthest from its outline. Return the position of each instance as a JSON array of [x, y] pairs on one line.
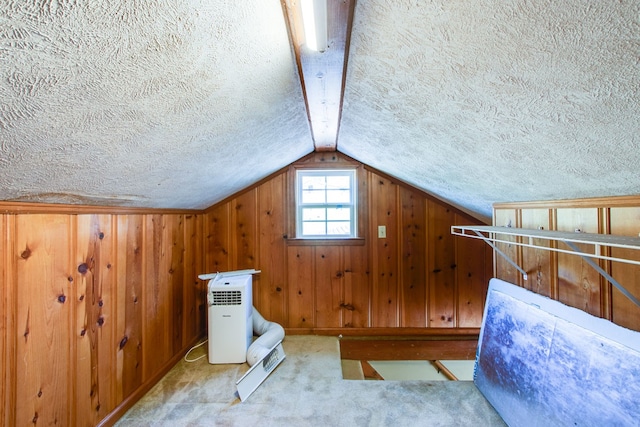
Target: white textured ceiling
[[143, 102], [497, 100], [181, 103]]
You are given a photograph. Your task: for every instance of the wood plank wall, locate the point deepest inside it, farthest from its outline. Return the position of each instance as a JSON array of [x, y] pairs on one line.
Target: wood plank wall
[[419, 280], [95, 307], [566, 277], [98, 303]]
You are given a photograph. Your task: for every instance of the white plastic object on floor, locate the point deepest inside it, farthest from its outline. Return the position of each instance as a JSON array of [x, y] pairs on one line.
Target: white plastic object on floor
[[259, 372], [269, 334]]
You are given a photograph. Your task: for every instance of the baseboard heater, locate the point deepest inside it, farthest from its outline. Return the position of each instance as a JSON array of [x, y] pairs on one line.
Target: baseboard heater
[[260, 371]]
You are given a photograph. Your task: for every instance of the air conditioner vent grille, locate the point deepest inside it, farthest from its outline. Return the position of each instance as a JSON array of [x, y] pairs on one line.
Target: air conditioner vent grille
[[227, 297]]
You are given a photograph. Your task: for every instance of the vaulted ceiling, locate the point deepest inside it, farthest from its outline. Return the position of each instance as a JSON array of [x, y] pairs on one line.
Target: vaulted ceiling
[[181, 103]]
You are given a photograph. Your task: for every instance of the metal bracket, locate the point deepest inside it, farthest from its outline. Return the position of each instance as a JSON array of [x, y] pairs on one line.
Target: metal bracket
[[570, 239], [603, 273], [505, 256]]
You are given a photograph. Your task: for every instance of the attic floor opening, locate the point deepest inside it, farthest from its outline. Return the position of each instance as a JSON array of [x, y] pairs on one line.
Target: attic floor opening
[[408, 358]]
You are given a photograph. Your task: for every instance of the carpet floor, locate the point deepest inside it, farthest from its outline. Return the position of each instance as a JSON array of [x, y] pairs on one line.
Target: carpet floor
[[306, 389]]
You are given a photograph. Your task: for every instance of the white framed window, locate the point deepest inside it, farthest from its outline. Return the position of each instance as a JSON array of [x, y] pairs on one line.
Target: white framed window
[[326, 203]]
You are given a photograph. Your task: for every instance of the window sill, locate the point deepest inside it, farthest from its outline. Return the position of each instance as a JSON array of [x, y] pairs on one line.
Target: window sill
[[350, 241]]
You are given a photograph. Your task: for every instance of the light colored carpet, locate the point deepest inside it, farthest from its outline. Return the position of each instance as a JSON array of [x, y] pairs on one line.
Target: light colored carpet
[[307, 389]]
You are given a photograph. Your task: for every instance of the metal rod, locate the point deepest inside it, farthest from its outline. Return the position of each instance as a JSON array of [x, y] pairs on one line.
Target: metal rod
[[546, 248]]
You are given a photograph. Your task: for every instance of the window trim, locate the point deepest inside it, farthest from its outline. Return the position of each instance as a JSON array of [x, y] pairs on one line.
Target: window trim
[[333, 162], [351, 173]]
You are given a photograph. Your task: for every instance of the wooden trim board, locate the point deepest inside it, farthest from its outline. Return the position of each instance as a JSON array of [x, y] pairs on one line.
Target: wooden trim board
[[408, 349]]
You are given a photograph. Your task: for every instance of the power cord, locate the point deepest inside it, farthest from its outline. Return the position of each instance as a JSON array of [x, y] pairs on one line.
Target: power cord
[[186, 359]]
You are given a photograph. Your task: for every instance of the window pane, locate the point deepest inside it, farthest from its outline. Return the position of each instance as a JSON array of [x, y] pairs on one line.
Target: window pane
[[313, 196], [313, 228], [313, 214], [338, 196], [326, 203], [338, 182], [342, 228], [337, 214], [313, 183]]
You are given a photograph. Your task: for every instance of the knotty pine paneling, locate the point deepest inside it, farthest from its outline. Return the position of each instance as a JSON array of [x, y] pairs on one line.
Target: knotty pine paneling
[[578, 283], [353, 286], [538, 263], [163, 289], [441, 265], [93, 309], [44, 319], [3, 322], [270, 291], [567, 277], [156, 345], [194, 305], [245, 230], [329, 289], [300, 268], [356, 310], [413, 268], [130, 309], [7, 321], [218, 239], [383, 210], [174, 234], [473, 258], [95, 312], [507, 218], [625, 222]]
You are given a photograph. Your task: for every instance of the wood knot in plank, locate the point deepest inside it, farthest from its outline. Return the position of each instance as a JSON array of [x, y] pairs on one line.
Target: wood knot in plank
[[26, 253], [62, 298], [123, 342], [83, 268]]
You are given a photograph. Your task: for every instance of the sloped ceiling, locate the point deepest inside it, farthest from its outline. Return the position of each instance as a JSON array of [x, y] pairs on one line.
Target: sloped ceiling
[[179, 104], [171, 104], [497, 100]]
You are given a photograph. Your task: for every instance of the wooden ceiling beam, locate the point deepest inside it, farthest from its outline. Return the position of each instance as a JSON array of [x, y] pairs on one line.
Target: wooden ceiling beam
[[322, 75]]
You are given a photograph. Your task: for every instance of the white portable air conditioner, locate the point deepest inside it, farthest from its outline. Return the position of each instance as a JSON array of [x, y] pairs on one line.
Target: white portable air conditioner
[[230, 323]]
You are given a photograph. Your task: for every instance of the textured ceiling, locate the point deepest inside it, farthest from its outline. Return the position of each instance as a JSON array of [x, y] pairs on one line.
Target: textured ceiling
[[145, 103], [182, 103], [497, 100]]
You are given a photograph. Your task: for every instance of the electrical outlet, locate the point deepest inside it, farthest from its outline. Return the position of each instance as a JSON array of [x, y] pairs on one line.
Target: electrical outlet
[[382, 231]]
